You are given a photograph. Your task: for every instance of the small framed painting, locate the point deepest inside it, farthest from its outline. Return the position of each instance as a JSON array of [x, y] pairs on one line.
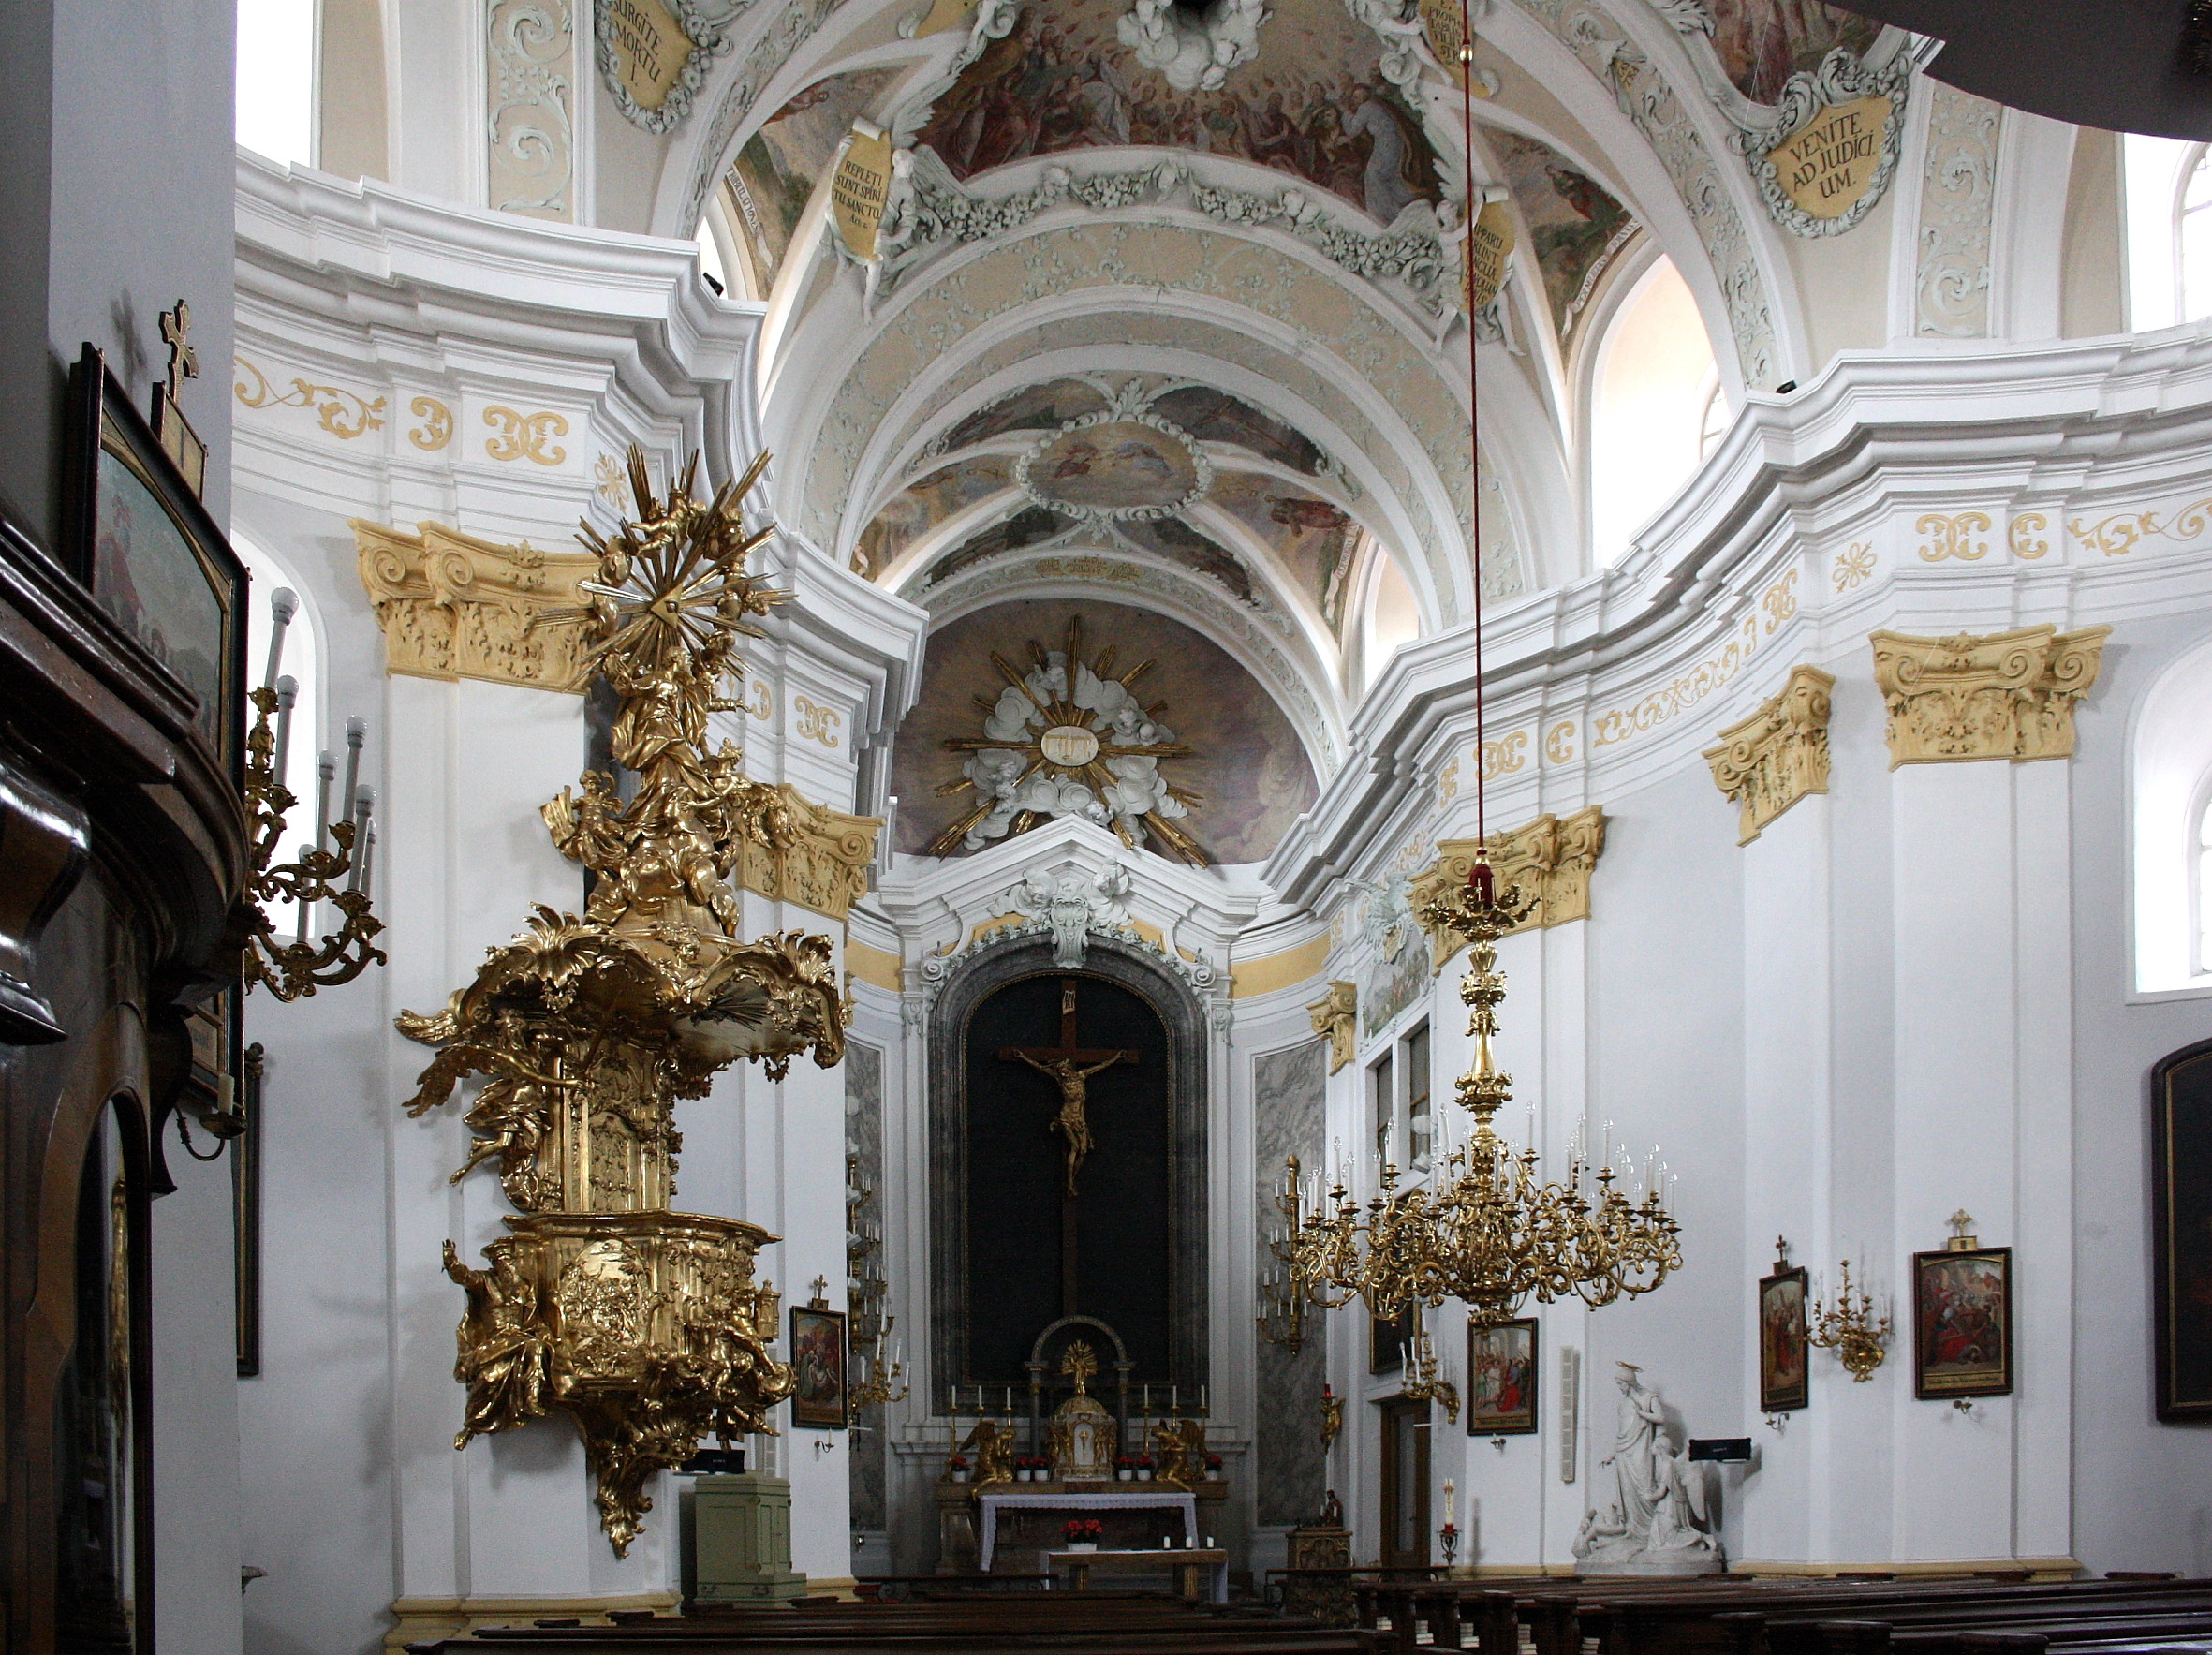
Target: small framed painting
[[1501, 1378], [1387, 1340], [1962, 1324], [2181, 1229], [1783, 1385], [139, 538], [818, 1362]]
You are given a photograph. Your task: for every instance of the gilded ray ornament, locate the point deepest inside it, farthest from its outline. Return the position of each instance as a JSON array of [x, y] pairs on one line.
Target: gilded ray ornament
[[1067, 738], [644, 1324]]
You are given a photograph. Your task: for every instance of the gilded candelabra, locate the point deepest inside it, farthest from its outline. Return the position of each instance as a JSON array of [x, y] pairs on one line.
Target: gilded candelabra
[[343, 850], [645, 1325], [1490, 1232], [1281, 1316], [1849, 1329], [877, 1366]]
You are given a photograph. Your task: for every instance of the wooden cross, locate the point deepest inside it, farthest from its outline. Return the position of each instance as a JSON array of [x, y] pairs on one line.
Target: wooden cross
[[1068, 1066], [176, 331]]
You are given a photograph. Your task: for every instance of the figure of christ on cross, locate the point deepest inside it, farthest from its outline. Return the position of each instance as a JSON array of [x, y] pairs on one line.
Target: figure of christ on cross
[[1069, 1068]]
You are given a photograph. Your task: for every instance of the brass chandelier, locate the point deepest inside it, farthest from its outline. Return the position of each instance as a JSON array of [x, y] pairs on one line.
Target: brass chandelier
[[1486, 1229], [1490, 1233]]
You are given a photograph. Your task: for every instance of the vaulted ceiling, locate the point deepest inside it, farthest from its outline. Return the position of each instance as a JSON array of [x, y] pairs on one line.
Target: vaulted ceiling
[[1165, 308]]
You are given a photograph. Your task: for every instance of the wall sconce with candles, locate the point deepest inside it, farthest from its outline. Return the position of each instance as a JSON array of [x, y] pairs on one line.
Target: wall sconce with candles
[[343, 850], [1850, 1329]]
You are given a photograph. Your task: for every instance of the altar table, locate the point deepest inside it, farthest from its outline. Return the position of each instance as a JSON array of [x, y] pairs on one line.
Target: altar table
[[1187, 1561], [1125, 1497]]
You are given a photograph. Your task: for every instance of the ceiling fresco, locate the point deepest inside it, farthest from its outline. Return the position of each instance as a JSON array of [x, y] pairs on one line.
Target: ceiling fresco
[[1575, 228], [914, 512], [1244, 781], [1314, 539], [1761, 43], [1129, 462], [1312, 103], [774, 174]]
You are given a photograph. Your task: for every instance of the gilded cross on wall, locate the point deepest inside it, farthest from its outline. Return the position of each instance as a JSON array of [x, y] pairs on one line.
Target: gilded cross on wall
[[176, 332]]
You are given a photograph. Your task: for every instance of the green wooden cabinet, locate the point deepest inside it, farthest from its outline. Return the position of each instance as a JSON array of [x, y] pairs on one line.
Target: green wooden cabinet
[[741, 1541]]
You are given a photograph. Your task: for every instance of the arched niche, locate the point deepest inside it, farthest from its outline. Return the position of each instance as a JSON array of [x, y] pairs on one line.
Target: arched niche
[[998, 966]]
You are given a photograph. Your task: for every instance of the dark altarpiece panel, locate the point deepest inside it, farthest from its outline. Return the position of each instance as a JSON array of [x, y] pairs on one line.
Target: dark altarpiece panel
[[1068, 1143]]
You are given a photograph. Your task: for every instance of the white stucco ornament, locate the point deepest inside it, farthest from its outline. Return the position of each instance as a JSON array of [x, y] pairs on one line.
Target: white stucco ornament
[[1193, 50]]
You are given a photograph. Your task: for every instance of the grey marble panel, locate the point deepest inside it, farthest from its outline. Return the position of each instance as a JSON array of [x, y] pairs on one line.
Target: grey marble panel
[[863, 1140], [1287, 1119]]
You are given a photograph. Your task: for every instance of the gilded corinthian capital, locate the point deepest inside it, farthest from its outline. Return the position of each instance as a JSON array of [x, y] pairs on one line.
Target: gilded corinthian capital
[[1778, 755], [2002, 695], [454, 606], [1549, 862]]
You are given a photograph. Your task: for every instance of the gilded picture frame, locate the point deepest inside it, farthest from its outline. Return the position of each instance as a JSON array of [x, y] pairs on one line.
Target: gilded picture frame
[[822, 1402], [136, 535], [1962, 1324], [1785, 1366], [1501, 1378], [2181, 1231]]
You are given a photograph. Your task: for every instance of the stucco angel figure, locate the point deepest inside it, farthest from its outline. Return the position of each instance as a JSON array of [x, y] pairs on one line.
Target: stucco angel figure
[[1652, 1516]]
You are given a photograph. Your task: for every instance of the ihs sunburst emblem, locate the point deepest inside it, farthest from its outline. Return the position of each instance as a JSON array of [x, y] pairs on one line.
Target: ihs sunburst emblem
[[1068, 738]]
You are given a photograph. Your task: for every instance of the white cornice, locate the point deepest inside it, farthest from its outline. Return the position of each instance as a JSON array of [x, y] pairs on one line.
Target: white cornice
[[1854, 461], [367, 260]]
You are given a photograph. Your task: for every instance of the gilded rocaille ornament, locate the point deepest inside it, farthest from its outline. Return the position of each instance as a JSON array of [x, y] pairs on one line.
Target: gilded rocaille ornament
[[644, 1326]]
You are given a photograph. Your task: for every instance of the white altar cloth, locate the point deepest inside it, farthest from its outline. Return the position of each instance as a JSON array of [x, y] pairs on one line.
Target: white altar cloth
[[1161, 1498]]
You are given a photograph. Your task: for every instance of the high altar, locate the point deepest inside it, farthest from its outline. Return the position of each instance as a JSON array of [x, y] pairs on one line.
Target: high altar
[[994, 1524]]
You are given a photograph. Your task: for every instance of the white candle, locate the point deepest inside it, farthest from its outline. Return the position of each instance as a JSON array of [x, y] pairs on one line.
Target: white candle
[[283, 603], [287, 692], [1448, 1494], [364, 801], [326, 770], [306, 907], [368, 858], [355, 730]]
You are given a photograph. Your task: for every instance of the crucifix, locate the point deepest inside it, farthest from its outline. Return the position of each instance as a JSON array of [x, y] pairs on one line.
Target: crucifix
[[1069, 1068]]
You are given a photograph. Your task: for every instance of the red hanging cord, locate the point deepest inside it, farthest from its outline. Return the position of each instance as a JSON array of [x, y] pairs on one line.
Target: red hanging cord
[[1479, 878]]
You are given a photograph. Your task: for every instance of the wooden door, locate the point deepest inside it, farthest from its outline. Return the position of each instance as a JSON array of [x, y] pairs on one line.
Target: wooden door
[[1405, 1485]]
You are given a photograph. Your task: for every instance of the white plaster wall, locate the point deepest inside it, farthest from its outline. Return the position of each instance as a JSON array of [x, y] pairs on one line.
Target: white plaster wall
[[2139, 1499], [196, 1460]]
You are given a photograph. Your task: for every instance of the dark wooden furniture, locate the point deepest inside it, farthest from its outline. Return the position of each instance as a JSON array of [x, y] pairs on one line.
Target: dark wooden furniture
[[121, 854]]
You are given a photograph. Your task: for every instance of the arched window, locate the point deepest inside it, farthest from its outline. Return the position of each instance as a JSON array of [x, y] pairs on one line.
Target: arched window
[[2168, 204], [1651, 392], [1388, 617], [276, 79], [2170, 799]]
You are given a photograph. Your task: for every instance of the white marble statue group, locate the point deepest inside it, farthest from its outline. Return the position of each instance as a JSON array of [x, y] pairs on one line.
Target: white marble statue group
[[1652, 1516]]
